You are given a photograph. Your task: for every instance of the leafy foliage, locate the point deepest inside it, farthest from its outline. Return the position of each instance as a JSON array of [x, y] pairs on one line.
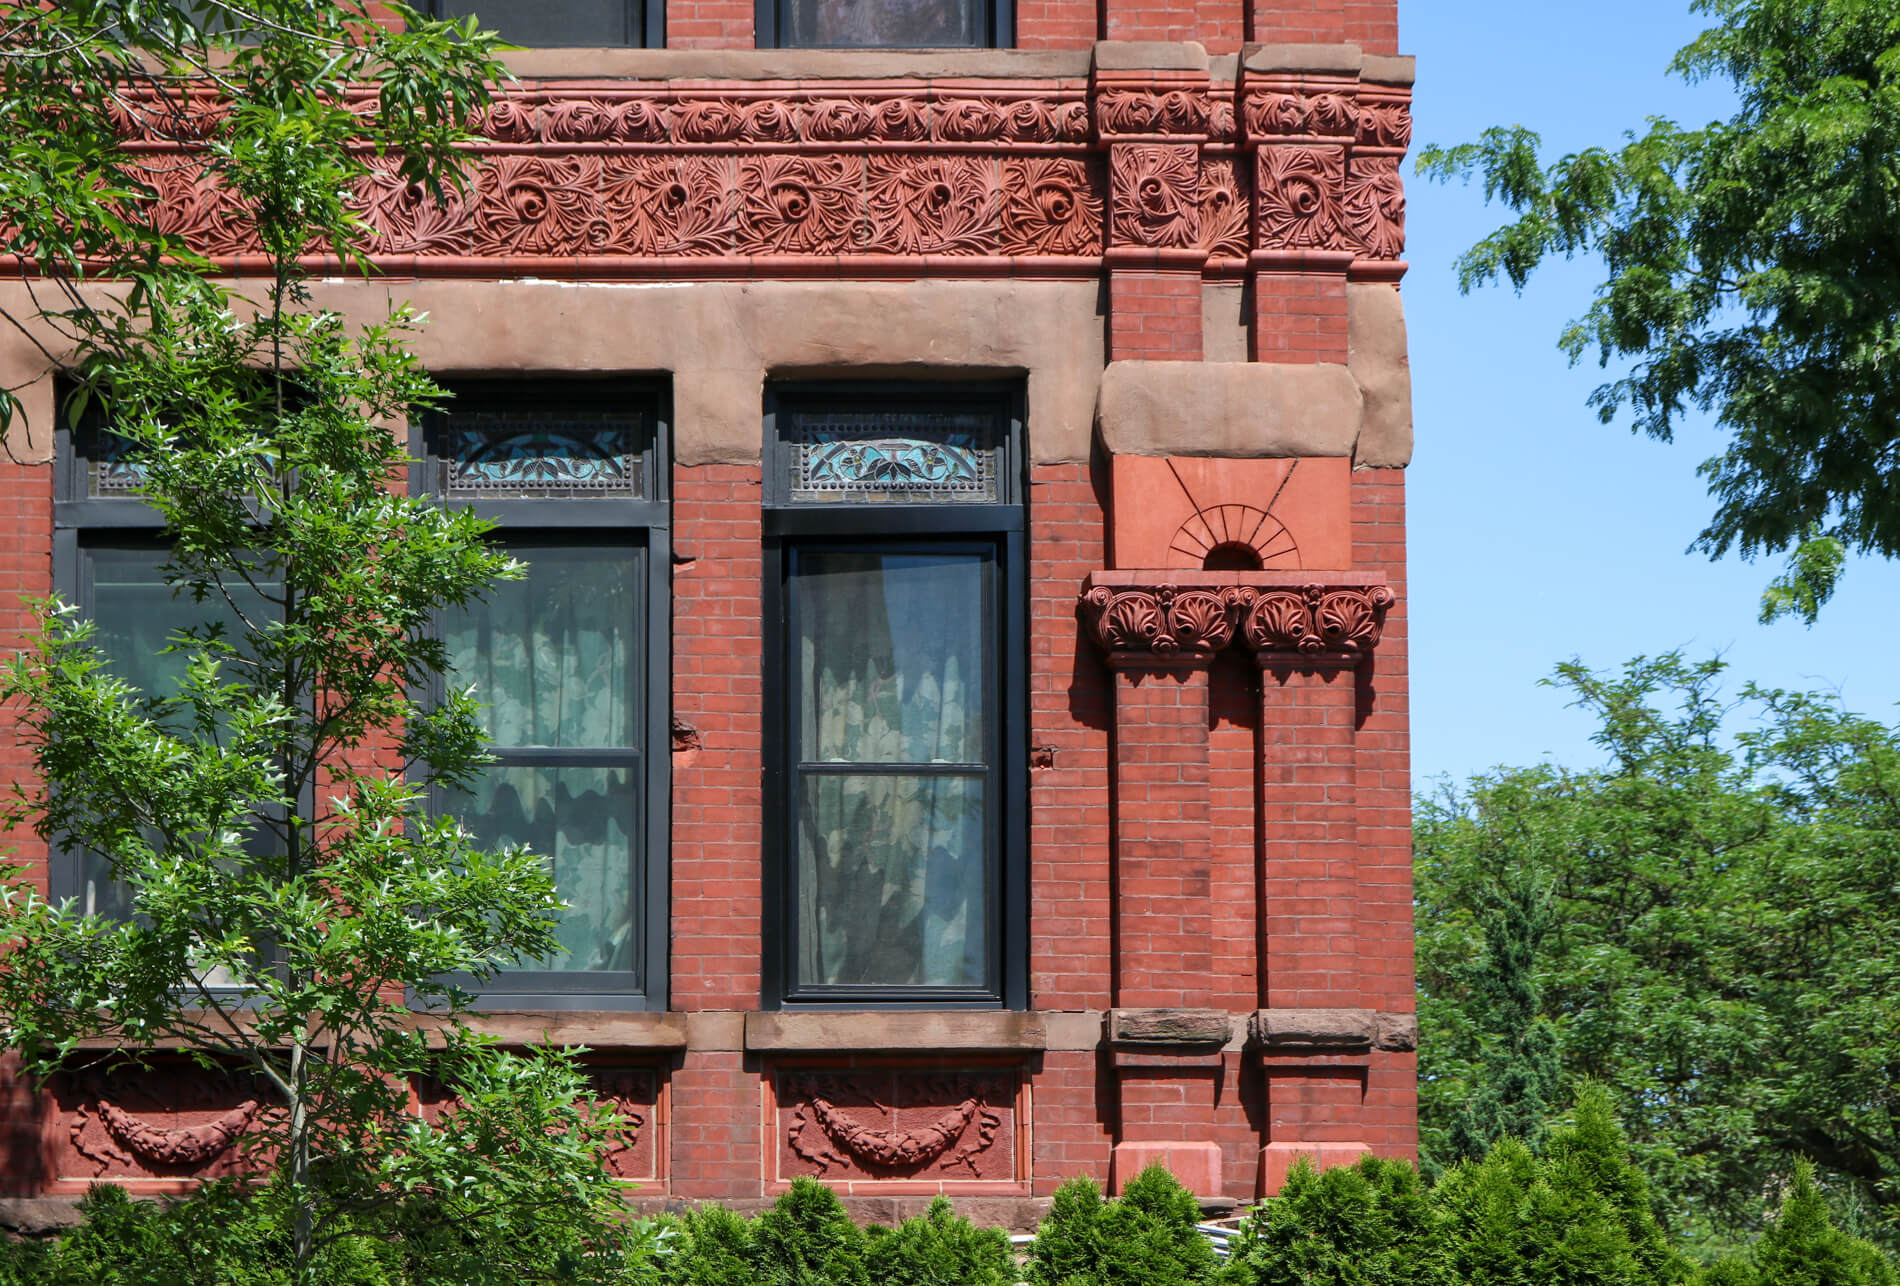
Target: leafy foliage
[[1750, 270], [1721, 946], [290, 896], [1145, 1237]]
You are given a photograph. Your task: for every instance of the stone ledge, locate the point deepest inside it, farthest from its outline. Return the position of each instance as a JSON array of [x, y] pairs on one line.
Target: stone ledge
[[595, 1029], [896, 1031], [1339, 1031], [38, 1216], [1144, 1027]]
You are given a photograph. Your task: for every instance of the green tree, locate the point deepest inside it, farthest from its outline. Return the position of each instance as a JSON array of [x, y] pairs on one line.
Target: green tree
[[1750, 270], [1579, 1215], [292, 901], [1802, 1247], [1723, 945]]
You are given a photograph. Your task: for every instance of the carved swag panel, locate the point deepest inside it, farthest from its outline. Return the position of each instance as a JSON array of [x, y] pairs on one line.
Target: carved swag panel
[[885, 1125], [165, 1125], [632, 1090]]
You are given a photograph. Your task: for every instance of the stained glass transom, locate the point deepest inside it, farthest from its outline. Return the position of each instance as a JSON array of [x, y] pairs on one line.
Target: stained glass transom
[[113, 471], [524, 453], [894, 458]]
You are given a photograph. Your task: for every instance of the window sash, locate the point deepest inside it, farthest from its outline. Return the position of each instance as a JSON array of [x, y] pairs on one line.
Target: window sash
[[638, 522], [584, 24], [796, 24], [998, 527]]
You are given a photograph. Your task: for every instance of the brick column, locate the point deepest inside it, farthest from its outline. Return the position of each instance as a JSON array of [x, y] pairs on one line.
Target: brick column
[[1153, 122], [1329, 203], [1164, 1038], [1317, 1031]]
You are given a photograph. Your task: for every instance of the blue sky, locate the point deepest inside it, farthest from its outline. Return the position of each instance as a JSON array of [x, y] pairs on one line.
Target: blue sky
[[1538, 534]]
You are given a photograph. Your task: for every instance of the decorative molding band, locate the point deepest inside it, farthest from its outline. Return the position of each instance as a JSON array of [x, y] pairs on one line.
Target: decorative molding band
[[894, 178], [1183, 623]]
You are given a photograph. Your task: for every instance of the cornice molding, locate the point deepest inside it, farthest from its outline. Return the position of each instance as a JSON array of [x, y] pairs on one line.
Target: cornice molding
[[894, 177]]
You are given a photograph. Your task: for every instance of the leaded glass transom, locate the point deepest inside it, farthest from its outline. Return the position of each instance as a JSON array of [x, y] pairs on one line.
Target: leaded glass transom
[[113, 470], [892, 457], [536, 453]]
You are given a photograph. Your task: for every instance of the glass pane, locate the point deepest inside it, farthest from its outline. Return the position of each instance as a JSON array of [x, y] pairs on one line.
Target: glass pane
[[136, 613], [553, 656], [893, 457], [893, 880], [541, 453], [887, 24], [582, 819], [548, 22], [890, 654]]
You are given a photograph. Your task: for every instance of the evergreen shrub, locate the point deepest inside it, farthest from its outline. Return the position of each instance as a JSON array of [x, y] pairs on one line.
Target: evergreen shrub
[[1370, 1224], [1146, 1237]]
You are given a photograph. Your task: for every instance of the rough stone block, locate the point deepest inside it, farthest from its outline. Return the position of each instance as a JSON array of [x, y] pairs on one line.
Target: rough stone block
[[1169, 1026], [1330, 1029]]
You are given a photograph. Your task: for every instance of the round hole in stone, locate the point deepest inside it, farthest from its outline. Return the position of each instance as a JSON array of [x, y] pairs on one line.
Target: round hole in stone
[[1231, 556]]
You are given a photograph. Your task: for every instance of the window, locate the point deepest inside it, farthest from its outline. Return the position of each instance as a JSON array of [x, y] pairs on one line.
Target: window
[[570, 664], [547, 24], [885, 24], [109, 556], [896, 710]]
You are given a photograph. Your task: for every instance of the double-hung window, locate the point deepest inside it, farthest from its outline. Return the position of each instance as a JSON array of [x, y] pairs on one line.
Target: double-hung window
[[896, 701], [569, 664], [547, 24], [110, 550]]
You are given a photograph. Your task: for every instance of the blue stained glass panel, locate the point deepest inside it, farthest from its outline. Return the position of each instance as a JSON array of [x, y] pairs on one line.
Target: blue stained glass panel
[[503, 453], [943, 458]]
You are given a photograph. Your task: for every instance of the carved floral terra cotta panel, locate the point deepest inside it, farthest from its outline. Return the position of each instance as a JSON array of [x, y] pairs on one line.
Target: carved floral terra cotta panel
[[897, 177], [635, 1091], [898, 1129], [160, 1127]]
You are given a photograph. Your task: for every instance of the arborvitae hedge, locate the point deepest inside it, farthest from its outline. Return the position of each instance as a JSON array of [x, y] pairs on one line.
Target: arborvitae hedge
[[1578, 1214], [1146, 1237], [1366, 1225]]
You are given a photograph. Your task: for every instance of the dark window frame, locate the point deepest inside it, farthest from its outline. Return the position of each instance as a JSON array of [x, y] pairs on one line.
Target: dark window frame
[[771, 26], [1001, 526], [644, 520], [645, 24], [83, 522]]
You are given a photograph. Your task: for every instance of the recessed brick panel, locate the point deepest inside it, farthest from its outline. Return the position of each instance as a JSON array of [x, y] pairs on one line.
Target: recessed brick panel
[[895, 1128]]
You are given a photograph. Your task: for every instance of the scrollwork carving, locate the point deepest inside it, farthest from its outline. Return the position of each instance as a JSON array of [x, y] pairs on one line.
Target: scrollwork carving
[[1374, 206], [1168, 625], [1225, 209], [1155, 191], [1296, 198], [1053, 207], [1124, 111], [1317, 621], [1161, 625], [1385, 125]]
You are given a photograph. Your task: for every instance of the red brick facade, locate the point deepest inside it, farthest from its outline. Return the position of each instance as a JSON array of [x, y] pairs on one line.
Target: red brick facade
[[1185, 257]]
